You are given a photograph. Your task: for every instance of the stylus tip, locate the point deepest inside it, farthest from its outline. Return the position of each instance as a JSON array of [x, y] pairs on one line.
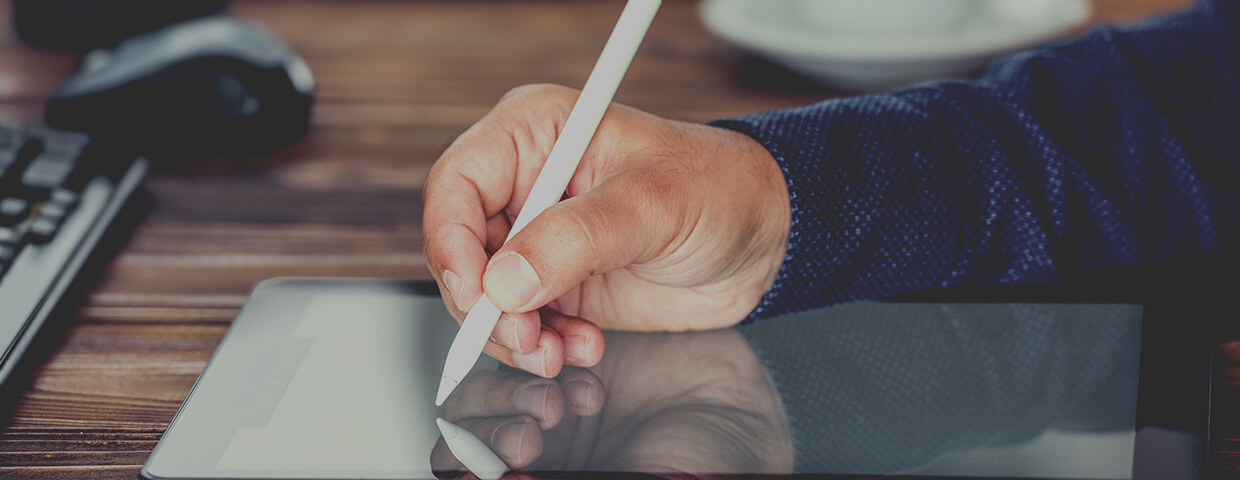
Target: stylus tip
[[448, 430], [446, 386]]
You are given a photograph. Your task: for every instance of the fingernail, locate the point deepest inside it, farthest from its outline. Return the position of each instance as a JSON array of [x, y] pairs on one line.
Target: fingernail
[[502, 323], [513, 282], [517, 327], [534, 362], [580, 395], [454, 283], [507, 440], [577, 348], [533, 400]]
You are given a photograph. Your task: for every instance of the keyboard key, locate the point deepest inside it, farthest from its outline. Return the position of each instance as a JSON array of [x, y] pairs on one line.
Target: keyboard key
[[48, 171], [13, 210], [42, 229], [58, 140], [14, 159], [7, 253], [53, 211], [66, 197], [10, 236]]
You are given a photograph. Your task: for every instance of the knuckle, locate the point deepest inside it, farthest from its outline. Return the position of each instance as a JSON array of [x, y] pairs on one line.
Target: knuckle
[[438, 243], [431, 184], [431, 256], [579, 234], [536, 90]]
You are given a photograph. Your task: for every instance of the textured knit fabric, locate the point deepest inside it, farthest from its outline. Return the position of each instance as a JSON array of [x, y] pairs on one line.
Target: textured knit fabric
[[887, 387], [1117, 150]]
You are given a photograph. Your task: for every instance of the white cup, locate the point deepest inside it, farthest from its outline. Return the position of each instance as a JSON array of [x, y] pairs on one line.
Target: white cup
[[893, 17]]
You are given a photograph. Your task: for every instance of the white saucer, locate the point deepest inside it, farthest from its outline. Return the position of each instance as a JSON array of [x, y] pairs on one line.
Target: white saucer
[[870, 62]]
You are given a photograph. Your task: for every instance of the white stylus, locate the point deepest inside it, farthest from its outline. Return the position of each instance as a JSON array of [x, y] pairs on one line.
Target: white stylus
[[472, 453], [556, 172]]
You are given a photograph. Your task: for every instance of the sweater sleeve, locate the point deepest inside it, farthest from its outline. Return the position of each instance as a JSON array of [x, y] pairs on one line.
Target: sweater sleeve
[[1117, 150]]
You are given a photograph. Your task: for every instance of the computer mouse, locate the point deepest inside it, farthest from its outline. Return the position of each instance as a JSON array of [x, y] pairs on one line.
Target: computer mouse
[[211, 86]]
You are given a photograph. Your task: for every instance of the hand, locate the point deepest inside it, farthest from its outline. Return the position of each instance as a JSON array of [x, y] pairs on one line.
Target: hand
[[667, 226], [698, 403]]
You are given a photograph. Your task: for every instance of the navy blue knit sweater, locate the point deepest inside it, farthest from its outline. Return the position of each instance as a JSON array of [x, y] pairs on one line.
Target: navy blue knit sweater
[[1119, 149]]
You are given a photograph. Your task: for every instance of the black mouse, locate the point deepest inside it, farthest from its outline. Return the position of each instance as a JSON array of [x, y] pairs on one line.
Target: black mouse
[[212, 86]]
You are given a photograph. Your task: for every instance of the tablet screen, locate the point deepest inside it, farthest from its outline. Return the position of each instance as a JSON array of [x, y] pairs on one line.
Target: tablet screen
[[336, 379], [314, 382]]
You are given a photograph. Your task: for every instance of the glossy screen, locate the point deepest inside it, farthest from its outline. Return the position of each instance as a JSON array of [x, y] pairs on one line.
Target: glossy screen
[[336, 379]]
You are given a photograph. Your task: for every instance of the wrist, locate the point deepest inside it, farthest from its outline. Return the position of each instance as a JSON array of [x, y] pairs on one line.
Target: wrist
[[779, 206], [769, 242]]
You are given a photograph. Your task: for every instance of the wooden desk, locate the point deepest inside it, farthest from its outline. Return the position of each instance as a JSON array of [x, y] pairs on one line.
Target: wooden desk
[[398, 80]]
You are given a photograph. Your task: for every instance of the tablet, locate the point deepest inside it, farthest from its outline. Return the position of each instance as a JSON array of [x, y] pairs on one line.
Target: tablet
[[335, 379]]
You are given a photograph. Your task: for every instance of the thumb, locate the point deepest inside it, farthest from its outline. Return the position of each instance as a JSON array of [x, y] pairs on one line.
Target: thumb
[[606, 228]]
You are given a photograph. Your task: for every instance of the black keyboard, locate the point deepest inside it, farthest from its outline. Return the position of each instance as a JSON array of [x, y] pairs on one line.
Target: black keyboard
[[58, 196]]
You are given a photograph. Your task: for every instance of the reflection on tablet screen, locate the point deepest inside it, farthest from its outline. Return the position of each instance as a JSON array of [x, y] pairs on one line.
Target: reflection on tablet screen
[[330, 382], [1011, 390]]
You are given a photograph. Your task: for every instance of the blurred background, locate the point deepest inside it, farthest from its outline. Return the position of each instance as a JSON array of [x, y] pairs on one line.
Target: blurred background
[[394, 83]]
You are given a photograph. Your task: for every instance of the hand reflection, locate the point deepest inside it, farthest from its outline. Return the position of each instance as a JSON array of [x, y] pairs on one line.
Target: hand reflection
[[874, 388], [695, 403]]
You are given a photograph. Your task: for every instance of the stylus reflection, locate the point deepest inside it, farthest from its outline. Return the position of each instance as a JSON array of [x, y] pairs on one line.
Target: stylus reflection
[[864, 388]]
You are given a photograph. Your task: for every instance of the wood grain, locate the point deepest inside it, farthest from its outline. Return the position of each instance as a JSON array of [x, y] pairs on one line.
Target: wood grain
[[397, 81]]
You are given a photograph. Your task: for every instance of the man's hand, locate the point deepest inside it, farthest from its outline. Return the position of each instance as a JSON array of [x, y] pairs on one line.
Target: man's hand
[[666, 226]]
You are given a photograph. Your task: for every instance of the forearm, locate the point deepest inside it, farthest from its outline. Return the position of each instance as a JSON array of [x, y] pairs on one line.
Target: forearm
[[1116, 150]]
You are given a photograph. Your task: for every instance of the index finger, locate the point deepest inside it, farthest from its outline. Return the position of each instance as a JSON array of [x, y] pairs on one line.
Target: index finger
[[486, 172], [459, 195]]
